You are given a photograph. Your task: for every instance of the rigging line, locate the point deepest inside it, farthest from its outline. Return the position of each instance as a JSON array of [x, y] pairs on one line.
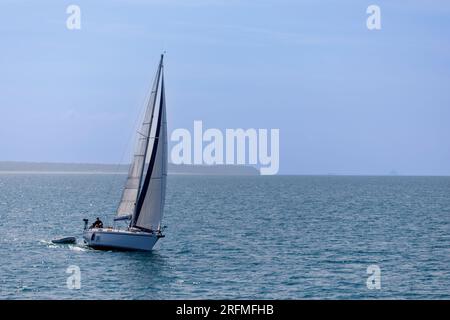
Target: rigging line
[[143, 134]]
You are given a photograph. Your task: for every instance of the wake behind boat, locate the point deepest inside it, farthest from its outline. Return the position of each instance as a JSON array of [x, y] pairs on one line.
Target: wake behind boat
[[142, 204]]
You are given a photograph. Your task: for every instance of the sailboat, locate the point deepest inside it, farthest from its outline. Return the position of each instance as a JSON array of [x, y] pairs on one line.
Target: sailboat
[[142, 204]]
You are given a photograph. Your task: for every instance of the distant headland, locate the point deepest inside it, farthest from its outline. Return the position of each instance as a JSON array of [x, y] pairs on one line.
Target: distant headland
[[92, 168]]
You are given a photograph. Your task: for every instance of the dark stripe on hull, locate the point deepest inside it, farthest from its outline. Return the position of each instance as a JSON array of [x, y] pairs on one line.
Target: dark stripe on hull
[[109, 248]]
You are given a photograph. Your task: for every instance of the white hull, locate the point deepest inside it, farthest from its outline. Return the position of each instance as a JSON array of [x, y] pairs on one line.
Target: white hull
[[115, 239]]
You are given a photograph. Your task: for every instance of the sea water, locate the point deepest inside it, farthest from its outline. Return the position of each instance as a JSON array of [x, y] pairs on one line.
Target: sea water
[[254, 237]]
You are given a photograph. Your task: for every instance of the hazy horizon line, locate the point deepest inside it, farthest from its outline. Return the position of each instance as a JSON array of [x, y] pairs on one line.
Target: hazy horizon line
[[119, 171]]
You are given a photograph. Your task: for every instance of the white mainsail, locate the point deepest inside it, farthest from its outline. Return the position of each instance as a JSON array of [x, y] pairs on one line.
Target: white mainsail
[[127, 205]]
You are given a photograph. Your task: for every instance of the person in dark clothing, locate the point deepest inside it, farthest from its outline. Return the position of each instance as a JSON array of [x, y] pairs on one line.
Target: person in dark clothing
[[97, 224]]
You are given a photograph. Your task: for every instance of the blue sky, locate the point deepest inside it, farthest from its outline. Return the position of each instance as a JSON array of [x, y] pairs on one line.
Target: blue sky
[[346, 100]]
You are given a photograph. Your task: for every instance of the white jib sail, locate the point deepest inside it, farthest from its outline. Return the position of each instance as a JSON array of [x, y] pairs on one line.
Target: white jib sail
[[132, 186], [149, 211]]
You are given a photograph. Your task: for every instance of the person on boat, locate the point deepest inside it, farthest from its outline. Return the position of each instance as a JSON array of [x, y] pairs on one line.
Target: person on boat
[[97, 224]]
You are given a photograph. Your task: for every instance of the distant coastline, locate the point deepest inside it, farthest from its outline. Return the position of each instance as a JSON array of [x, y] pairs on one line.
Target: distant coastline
[[19, 167]]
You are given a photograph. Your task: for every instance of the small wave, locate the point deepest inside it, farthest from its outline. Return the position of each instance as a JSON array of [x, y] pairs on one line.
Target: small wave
[[78, 248], [24, 289]]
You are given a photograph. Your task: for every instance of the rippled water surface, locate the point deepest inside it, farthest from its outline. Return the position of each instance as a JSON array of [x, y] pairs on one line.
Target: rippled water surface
[[233, 237]]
